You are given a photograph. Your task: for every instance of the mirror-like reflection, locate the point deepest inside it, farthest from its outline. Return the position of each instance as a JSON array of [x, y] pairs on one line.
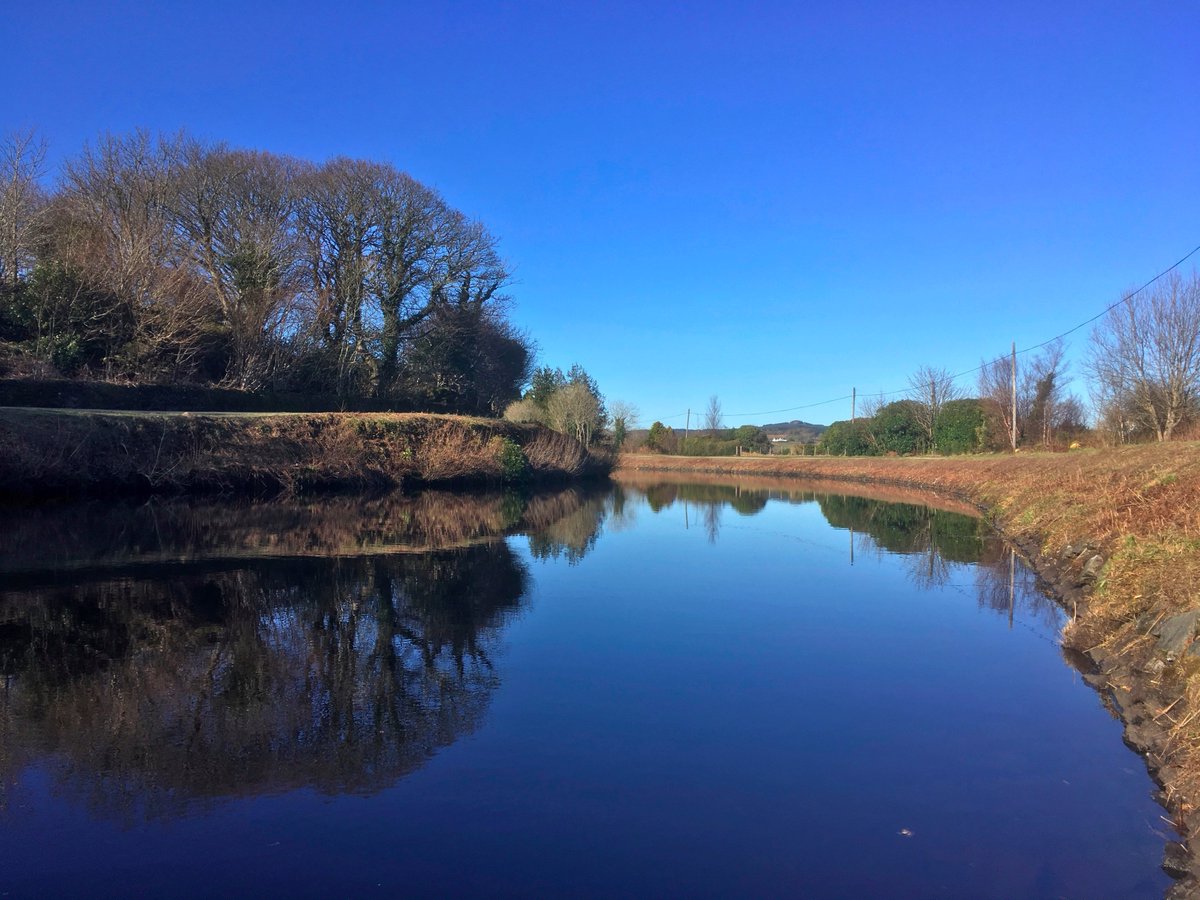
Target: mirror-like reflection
[[726, 663], [339, 675], [45, 539], [168, 653], [932, 535]]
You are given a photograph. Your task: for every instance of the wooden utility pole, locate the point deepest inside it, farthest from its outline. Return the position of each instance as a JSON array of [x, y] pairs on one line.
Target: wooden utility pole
[[853, 404], [1013, 437], [687, 424]]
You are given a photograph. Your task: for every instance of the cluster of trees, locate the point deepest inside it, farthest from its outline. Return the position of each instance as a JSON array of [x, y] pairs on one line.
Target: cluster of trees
[[720, 442], [172, 258], [935, 416], [569, 402], [712, 440]]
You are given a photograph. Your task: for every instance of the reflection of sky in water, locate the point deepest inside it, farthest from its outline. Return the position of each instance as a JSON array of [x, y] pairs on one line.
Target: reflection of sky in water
[[683, 690]]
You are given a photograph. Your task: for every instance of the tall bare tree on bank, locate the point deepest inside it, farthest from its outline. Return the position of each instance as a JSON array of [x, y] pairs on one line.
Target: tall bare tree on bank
[[22, 201], [995, 386], [235, 210], [713, 420], [1043, 405], [1042, 393], [931, 389], [110, 227], [1145, 359], [339, 228]]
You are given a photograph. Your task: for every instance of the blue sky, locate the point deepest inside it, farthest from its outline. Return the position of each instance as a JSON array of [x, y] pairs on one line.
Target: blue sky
[[772, 202]]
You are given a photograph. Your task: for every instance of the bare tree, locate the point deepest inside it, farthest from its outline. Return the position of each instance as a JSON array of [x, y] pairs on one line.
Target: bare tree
[[624, 417], [1042, 392], [931, 389], [712, 414], [574, 410], [1145, 358], [22, 164], [339, 224], [112, 228], [995, 388], [235, 212]]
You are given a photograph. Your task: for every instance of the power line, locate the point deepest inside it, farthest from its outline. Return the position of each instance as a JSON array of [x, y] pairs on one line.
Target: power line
[[1059, 336], [768, 412]]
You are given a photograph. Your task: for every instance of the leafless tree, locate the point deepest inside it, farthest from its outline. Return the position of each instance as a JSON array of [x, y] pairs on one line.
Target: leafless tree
[[931, 389], [712, 414], [235, 213], [995, 389], [22, 164], [624, 418], [1042, 392], [413, 227], [339, 222], [624, 411], [574, 410], [112, 228], [1145, 358]]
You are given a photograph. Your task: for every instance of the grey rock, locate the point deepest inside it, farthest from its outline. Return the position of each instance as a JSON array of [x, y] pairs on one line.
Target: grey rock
[[1155, 667], [1176, 861], [1175, 633], [1092, 567]]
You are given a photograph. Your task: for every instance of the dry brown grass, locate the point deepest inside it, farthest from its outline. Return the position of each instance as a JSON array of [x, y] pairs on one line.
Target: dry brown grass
[[53, 452]]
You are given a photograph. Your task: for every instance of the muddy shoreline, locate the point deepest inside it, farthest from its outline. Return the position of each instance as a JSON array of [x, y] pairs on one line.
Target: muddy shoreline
[[1129, 687]]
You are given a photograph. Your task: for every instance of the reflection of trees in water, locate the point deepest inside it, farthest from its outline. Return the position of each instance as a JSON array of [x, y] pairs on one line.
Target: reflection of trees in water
[[96, 534], [336, 674], [171, 653], [1004, 583], [572, 534], [705, 503], [930, 541]]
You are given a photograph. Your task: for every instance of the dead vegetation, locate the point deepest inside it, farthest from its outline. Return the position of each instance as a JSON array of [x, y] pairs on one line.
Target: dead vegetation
[[49, 452]]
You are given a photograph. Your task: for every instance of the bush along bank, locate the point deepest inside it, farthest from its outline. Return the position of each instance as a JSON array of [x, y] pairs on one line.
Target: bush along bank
[[47, 453], [1116, 535]]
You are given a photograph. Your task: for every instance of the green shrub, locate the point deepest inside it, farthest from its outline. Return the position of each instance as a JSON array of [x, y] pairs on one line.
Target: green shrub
[[513, 464]]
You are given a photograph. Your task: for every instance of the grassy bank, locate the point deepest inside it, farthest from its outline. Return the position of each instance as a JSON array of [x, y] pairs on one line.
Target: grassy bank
[[56, 452], [1117, 534]]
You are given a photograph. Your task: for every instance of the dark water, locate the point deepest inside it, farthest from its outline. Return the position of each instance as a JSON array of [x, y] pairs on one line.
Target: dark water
[[686, 690]]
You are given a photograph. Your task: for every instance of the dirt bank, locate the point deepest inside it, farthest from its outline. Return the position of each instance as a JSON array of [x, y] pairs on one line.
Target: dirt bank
[[57, 452], [1116, 535]]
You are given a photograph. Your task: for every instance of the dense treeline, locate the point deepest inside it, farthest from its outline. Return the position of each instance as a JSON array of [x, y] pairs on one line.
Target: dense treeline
[[172, 259]]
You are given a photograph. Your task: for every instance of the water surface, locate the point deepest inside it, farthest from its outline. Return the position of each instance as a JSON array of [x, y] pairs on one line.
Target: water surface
[[657, 689]]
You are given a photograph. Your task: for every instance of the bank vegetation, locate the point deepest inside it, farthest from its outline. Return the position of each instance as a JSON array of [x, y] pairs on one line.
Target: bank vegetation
[[56, 453]]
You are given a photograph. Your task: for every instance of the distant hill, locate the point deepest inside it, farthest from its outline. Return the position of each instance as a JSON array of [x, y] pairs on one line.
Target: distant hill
[[796, 432]]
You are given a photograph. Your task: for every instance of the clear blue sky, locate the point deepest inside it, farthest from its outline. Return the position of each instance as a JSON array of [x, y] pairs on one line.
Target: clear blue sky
[[772, 202]]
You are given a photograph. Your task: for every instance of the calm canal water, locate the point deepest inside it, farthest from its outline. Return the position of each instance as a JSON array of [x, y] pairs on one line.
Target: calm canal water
[[657, 689]]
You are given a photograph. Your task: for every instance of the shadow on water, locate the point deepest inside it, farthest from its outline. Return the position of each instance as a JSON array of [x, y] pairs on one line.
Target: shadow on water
[[167, 655]]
